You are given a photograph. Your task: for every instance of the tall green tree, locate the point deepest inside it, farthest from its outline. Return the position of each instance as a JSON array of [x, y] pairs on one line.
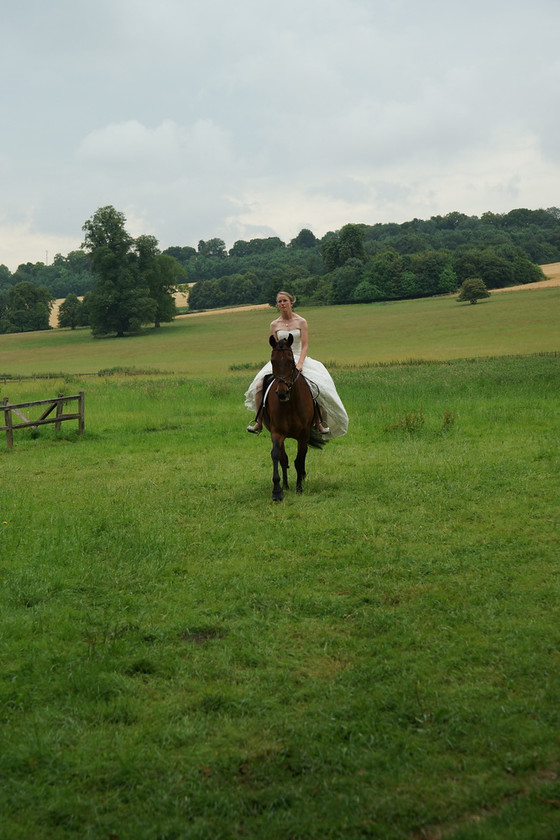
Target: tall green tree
[[351, 243], [5, 322], [181, 253], [330, 253], [212, 248], [345, 280], [160, 273], [69, 312], [348, 244], [5, 277], [117, 303], [305, 239], [29, 307], [385, 273]]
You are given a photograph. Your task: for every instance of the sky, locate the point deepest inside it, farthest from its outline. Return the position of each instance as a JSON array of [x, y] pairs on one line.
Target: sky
[[253, 118]]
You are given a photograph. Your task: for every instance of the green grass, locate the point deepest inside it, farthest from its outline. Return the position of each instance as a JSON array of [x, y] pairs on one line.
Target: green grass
[[183, 658], [431, 329]]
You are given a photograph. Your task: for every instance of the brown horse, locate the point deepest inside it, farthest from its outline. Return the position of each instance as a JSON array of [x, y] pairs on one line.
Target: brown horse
[[288, 412]]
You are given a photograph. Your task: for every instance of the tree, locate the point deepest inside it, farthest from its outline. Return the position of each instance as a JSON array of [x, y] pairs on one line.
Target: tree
[[69, 312], [117, 303], [345, 280], [106, 229], [472, 290], [169, 275], [410, 285], [5, 322], [29, 307], [447, 280], [337, 249], [304, 239], [181, 254], [365, 292], [351, 243], [428, 268], [329, 252], [160, 273], [70, 274], [5, 277], [524, 271], [85, 320], [385, 273], [212, 248]]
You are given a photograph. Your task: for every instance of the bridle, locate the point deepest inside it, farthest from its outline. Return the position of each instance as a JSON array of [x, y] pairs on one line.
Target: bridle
[[280, 379]]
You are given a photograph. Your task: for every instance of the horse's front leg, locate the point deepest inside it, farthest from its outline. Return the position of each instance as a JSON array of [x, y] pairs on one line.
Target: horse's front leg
[[300, 464], [278, 455]]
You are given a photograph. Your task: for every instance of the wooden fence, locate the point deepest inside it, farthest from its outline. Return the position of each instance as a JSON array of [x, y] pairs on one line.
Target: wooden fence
[[57, 405]]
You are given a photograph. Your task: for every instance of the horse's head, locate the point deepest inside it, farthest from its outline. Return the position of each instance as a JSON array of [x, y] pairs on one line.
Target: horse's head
[[283, 366]]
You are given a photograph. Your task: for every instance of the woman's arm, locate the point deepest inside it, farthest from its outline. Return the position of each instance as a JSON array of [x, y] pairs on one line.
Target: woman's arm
[[304, 343]]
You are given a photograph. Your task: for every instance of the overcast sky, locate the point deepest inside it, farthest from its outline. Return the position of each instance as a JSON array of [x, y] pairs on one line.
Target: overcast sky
[[257, 118]]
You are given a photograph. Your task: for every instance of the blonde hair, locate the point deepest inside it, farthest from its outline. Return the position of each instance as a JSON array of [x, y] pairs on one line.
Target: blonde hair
[[288, 295]]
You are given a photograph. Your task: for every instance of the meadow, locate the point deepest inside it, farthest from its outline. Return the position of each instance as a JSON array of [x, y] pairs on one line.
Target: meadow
[[183, 658]]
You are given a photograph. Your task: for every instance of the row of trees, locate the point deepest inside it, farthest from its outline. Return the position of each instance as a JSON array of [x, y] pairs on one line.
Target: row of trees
[[128, 282], [362, 263], [63, 276], [350, 275]]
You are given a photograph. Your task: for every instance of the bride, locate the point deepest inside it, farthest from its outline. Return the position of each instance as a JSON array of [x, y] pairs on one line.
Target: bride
[[331, 419]]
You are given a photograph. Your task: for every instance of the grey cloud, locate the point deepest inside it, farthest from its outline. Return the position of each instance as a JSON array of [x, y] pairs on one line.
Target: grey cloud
[[214, 119]]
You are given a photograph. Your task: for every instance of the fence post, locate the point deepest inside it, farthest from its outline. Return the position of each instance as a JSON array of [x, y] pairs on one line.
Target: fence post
[[81, 421], [58, 413], [8, 424]]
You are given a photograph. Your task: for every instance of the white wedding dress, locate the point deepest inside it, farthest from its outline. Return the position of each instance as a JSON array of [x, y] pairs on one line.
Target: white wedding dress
[[321, 383]]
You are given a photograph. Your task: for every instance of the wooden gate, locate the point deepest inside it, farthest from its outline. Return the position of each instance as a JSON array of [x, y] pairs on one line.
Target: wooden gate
[[57, 405]]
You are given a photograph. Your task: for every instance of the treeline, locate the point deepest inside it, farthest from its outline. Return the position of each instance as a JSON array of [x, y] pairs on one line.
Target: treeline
[[27, 295], [358, 263], [364, 263]]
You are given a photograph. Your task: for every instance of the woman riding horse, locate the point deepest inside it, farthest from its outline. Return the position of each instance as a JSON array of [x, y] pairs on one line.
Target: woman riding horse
[[301, 399], [331, 410]]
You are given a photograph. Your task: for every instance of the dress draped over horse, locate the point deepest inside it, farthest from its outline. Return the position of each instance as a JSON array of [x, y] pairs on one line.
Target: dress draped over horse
[[320, 382]]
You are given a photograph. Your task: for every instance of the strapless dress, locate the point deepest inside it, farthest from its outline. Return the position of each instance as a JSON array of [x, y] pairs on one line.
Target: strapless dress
[[321, 383]]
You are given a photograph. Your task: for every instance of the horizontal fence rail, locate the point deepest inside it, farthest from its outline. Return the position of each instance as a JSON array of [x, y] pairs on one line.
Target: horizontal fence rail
[[55, 405]]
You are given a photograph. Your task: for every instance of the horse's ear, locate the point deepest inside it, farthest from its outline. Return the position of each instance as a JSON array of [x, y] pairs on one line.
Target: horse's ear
[[290, 340], [272, 341]]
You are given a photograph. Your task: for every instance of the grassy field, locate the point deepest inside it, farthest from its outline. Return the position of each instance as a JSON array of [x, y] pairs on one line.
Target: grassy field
[[183, 658], [431, 329]]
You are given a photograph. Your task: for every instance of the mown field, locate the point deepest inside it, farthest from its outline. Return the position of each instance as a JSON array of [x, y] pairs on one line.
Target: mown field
[[183, 658]]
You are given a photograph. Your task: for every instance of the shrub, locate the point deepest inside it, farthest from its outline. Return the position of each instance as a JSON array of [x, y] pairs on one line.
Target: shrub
[[472, 290]]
